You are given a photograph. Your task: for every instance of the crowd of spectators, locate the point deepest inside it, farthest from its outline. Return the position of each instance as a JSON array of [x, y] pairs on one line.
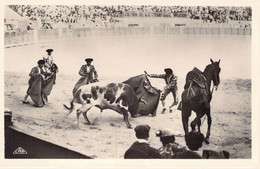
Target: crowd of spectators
[[109, 16], [220, 14]]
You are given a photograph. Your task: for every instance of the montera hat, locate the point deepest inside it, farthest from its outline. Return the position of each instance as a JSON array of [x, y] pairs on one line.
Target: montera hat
[[89, 60], [41, 62], [49, 50], [168, 70]]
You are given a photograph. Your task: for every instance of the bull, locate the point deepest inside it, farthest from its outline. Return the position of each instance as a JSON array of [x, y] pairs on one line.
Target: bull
[[119, 97]]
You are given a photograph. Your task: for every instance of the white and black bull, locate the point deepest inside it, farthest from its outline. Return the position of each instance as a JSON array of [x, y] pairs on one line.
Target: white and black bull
[[115, 96]]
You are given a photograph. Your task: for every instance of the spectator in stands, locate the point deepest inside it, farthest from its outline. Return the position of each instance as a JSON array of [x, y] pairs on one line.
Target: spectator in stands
[[101, 16], [141, 148], [29, 27]]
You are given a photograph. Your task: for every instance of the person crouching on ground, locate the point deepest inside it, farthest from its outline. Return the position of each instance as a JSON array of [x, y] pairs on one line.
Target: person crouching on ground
[[169, 146], [171, 86], [39, 70], [141, 148]]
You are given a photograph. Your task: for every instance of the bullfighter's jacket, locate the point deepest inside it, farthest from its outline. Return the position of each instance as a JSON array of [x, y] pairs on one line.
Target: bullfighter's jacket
[[171, 81], [89, 72]]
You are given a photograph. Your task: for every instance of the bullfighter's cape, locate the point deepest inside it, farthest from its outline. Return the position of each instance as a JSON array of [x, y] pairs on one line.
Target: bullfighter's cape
[[146, 92], [141, 151], [39, 89]]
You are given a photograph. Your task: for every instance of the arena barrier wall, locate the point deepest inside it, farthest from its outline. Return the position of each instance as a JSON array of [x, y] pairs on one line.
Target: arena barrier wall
[[13, 39], [34, 147], [19, 38]]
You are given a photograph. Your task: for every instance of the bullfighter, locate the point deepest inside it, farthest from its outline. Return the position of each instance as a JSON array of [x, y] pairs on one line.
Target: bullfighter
[[48, 59], [88, 73], [37, 74], [171, 86]]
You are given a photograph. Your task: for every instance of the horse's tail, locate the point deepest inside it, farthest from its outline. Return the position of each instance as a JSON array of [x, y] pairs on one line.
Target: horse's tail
[[71, 108]]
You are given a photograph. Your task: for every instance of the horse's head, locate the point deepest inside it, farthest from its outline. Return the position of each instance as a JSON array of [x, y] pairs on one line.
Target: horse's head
[[215, 72], [54, 68]]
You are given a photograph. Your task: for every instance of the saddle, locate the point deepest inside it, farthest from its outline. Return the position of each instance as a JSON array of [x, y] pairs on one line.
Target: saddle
[[197, 77]]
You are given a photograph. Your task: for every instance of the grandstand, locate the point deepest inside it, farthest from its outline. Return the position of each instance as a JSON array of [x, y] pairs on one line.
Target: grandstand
[[45, 22]]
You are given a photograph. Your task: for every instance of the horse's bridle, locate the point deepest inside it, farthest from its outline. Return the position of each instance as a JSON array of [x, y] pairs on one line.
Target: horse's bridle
[[215, 77]]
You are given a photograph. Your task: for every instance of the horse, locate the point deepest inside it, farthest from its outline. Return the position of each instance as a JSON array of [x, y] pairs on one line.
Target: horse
[[197, 96]]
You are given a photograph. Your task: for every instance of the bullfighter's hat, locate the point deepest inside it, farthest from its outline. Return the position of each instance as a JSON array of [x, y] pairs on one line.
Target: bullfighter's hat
[[89, 60], [168, 70], [49, 50], [41, 62]]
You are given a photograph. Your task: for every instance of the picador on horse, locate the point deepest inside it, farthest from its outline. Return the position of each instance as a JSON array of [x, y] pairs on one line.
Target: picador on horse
[[197, 96]]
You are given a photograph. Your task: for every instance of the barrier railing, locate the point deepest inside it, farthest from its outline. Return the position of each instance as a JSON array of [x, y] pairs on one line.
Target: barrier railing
[[37, 36], [18, 38], [47, 34]]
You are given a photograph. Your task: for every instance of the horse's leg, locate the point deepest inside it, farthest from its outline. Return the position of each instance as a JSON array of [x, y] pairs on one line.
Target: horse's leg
[[199, 124], [196, 121], [186, 112], [209, 126]]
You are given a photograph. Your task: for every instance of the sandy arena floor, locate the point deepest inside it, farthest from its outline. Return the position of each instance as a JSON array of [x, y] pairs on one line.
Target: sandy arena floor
[[117, 59]]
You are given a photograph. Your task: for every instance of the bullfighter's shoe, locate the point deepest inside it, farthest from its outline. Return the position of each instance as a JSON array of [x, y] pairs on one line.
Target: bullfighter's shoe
[[35, 105], [170, 108], [163, 110], [25, 102]]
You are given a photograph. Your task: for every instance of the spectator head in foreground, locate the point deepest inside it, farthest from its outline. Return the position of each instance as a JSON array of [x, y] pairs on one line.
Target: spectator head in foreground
[[141, 149], [142, 131], [194, 140]]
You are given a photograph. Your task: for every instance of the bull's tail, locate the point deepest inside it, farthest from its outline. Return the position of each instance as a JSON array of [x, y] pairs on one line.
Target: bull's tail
[[71, 108]]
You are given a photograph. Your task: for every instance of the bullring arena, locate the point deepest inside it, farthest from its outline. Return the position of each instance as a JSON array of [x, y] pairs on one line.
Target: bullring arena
[[139, 43]]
